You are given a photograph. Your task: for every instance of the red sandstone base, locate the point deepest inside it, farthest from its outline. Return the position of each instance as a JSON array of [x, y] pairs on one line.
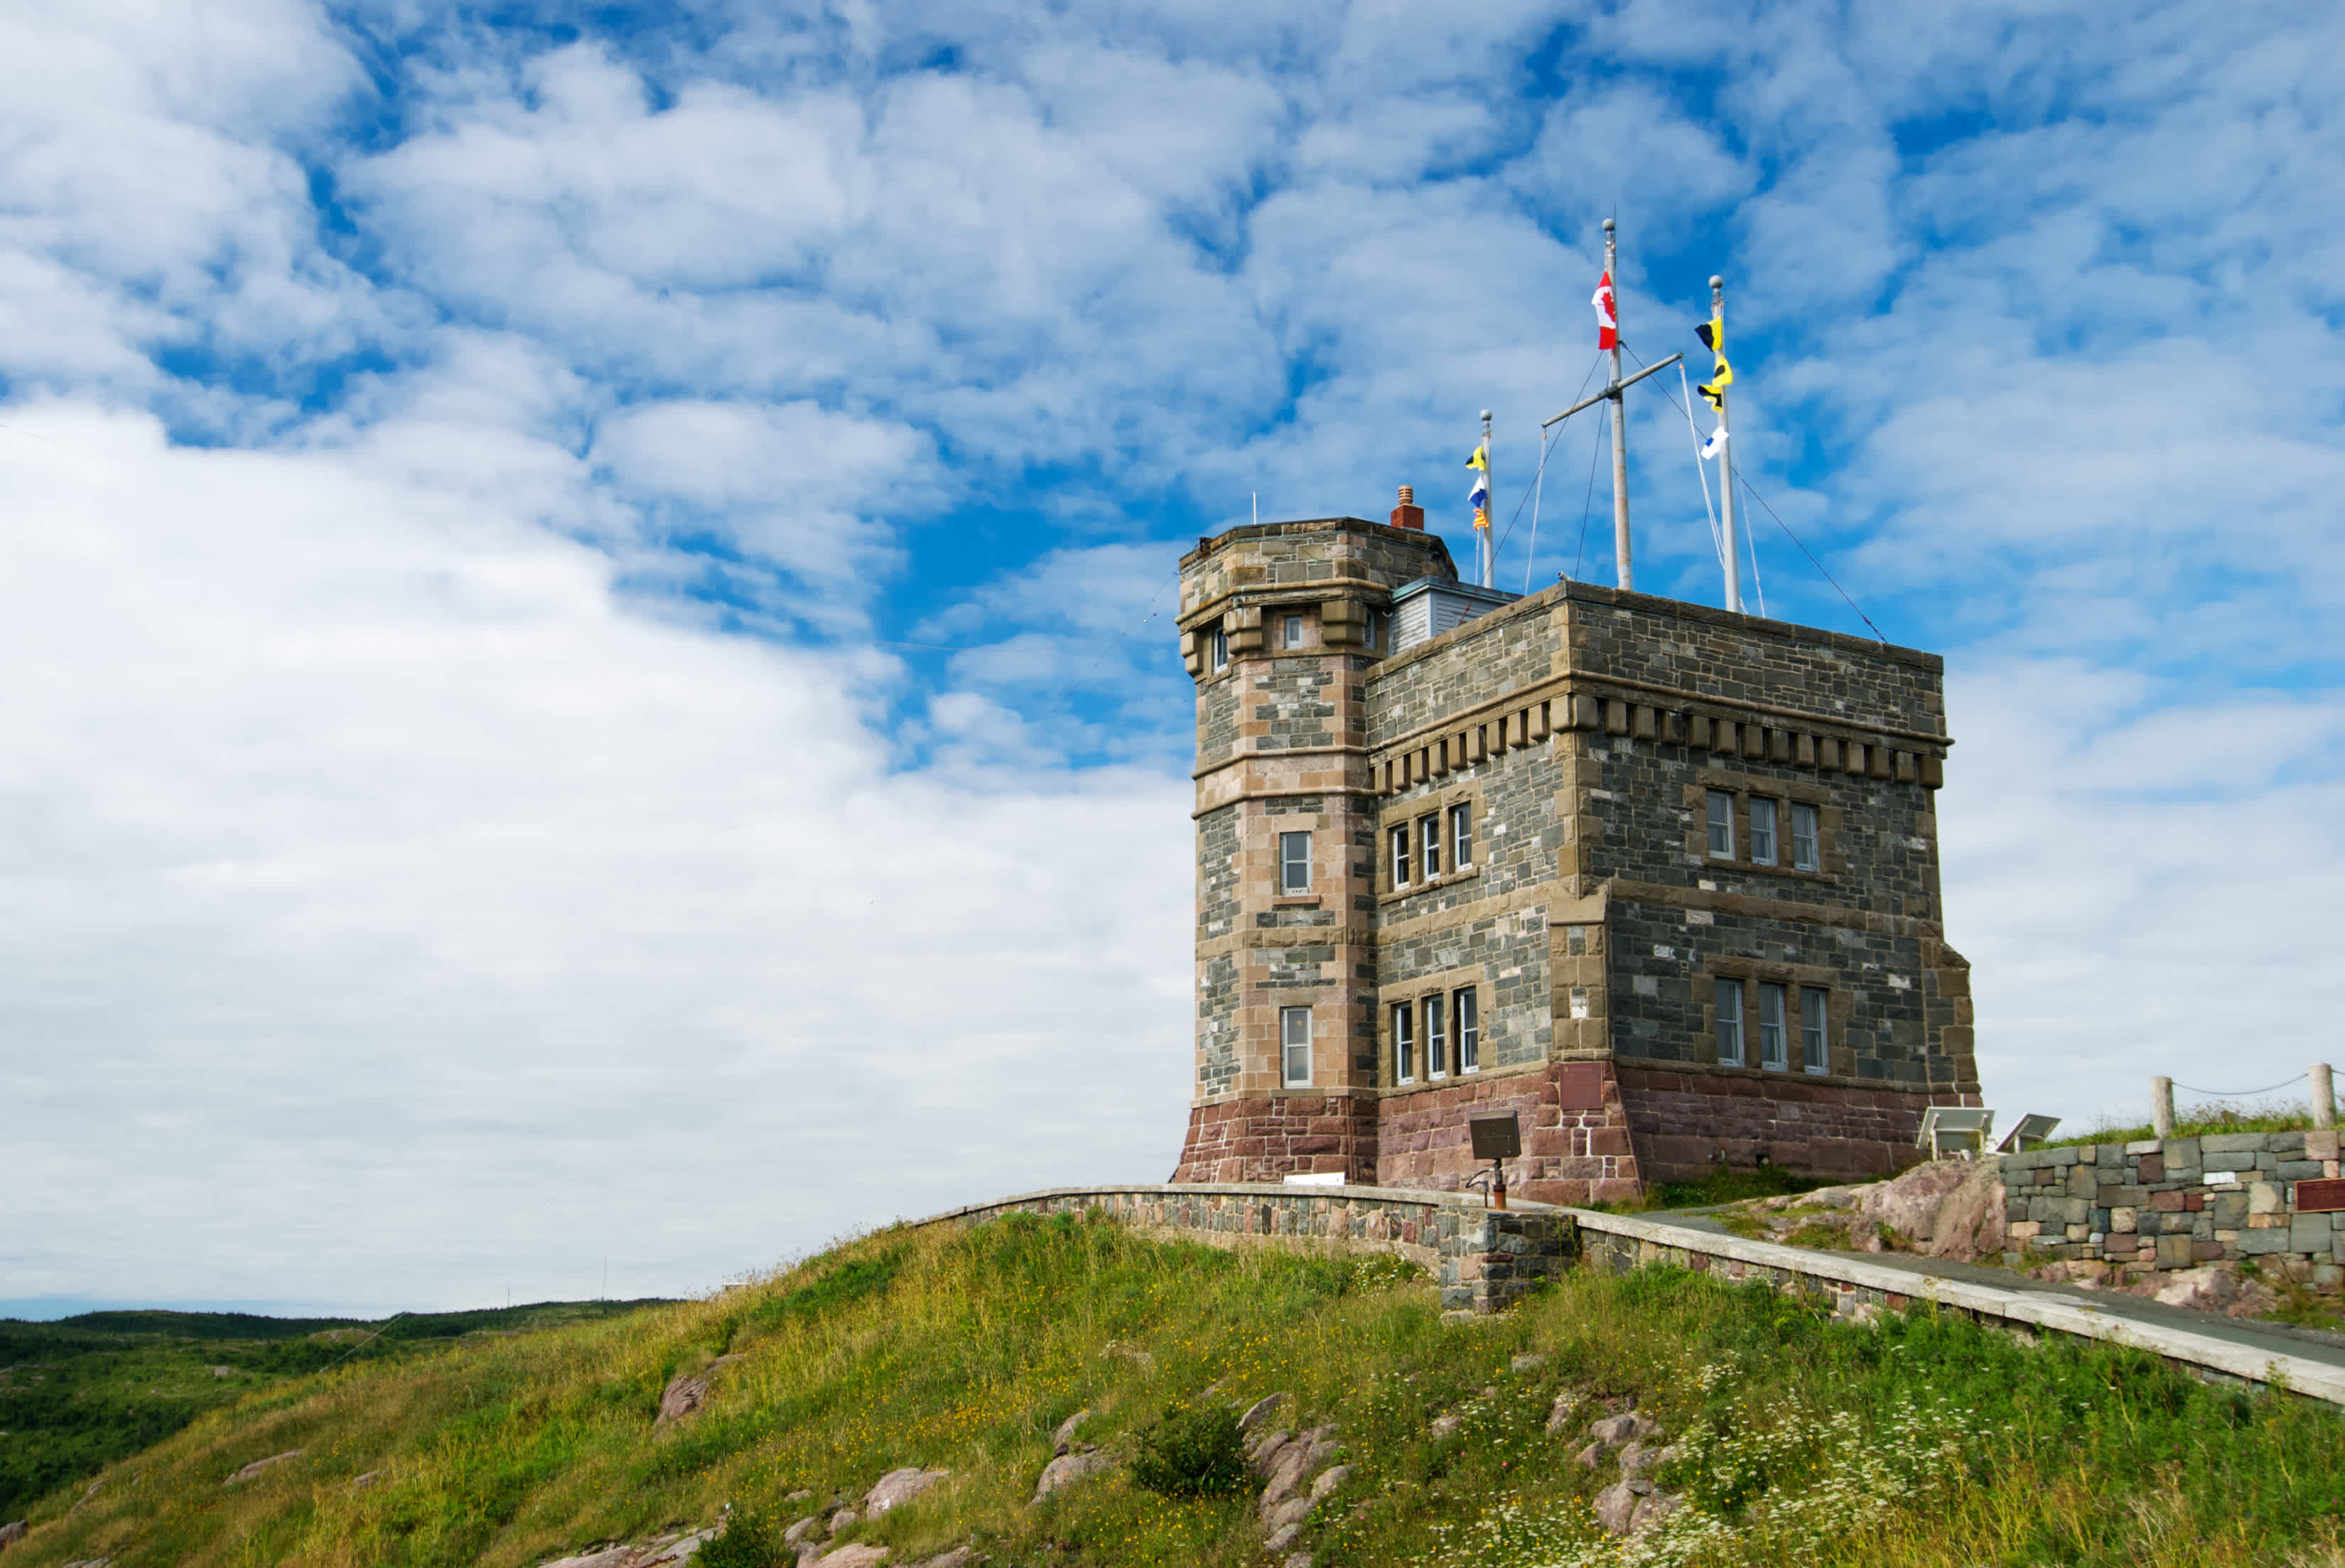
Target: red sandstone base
[[1268, 1139], [1592, 1131], [1685, 1124]]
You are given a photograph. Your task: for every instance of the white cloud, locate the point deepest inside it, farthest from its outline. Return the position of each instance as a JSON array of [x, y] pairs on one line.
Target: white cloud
[[2138, 883], [431, 791], [379, 889]]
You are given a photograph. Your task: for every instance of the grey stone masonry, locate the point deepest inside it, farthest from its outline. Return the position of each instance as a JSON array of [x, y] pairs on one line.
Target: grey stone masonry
[[1659, 880], [1486, 1260], [2138, 1209]]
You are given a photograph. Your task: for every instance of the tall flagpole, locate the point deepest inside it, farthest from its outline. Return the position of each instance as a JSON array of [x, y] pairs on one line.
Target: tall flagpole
[[1619, 423], [1489, 511], [1726, 465]]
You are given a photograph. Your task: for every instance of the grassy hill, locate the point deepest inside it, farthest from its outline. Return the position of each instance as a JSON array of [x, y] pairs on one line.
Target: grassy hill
[[81, 1392], [1917, 1439]]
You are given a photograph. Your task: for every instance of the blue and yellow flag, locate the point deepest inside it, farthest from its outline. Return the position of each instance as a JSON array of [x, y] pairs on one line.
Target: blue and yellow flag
[[1479, 498]]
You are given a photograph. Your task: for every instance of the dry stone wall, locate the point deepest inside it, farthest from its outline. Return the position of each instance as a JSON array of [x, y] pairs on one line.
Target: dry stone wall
[[1486, 1260], [2163, 1205]]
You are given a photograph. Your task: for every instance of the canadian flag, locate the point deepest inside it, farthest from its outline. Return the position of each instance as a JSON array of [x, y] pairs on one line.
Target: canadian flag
[[1608, 325]]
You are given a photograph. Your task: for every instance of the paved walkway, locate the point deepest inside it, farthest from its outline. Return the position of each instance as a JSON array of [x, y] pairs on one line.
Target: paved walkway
[[2308, 1359], [2276, 1339]]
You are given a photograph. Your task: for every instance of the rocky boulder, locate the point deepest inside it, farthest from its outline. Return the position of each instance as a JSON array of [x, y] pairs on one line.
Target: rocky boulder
[[898, 1487]]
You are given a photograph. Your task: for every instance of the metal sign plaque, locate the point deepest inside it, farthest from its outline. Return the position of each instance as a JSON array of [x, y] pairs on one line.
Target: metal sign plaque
[[1496, 1137], [2323, 1195]]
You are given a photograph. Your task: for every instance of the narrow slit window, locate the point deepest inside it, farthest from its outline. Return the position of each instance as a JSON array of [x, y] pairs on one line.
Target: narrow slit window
[[1467, 1004], [1774, 1046], [1400, 856], [1815, 1038], [1377, 624], [1428, 843], [1295, 862], [1436, 1040], [1721, 825], [1403, 1026], [1762, 831], [1730, 1022], [1461, 837], [1805, 855], [1294, 1043], [1292, 632], [1221, 641]]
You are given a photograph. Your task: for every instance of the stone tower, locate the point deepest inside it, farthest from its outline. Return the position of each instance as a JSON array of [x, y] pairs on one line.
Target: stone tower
[[1661, 880], [1281, 624]]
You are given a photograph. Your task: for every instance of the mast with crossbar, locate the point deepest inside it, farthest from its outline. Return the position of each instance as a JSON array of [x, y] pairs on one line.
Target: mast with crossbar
[[1608, 307]]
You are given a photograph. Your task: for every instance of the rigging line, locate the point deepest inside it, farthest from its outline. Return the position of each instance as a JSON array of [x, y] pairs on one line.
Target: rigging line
[[1716, 540], [1810, 554], [1526, 496], [1595, 454], [1530, 553], [1751, 541], [1743, 480], [2243, 1093]]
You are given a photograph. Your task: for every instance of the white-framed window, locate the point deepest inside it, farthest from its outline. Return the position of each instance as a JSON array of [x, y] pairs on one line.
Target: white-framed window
[[1466, 1005], [1806, 851], [1815, 1036], [1400, 856], [1294, 1044], [1220, 647], [1729, 999], [1403, 1026], [1437, 1036], [1461, 837], [1290, 631], [1428, 843], [1295, 862], [1721, 825], [1775, 1046], [1762, 831]]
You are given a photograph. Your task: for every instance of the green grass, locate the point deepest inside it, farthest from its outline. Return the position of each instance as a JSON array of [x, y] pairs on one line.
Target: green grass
[[1922, 1440], [2196, 1121], [78, 1393], [1724, 1185]]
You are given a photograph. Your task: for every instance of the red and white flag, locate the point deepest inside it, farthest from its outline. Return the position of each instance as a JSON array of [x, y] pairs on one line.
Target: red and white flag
[[1608, 325]]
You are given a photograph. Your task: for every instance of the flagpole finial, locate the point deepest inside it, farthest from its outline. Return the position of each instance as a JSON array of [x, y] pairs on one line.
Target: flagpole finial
[[1607, 225], [1486, 413], [1716, 281]]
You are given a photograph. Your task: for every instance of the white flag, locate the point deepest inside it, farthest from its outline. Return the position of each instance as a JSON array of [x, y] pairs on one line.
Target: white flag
[[1716, 444]]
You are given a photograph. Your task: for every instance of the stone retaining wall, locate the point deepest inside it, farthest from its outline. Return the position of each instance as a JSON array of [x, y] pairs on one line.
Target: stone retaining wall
[[1856, 1288], [1484, 1260], [2176, 1203]]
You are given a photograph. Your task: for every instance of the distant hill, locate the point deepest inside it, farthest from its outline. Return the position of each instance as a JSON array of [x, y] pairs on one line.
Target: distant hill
[[1768, 1432], [77, 1394]]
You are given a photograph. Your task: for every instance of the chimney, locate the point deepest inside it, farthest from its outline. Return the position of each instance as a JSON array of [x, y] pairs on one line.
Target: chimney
[[1408, 514]]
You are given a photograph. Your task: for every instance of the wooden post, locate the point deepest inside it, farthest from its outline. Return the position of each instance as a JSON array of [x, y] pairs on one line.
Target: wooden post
[[2324, 1096], [2161, 1107]]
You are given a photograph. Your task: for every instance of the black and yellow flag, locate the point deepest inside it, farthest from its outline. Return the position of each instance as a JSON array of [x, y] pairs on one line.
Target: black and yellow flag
[[1722, 376]]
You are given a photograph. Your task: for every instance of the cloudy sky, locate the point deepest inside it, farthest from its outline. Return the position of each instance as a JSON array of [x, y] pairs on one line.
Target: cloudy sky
[[586, 694]]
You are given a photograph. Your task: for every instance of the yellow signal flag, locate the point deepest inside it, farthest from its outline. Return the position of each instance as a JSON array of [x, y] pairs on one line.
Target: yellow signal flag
[[1712, 333]]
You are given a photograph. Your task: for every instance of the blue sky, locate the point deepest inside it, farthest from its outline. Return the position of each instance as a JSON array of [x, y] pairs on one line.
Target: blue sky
[[587, 591]]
